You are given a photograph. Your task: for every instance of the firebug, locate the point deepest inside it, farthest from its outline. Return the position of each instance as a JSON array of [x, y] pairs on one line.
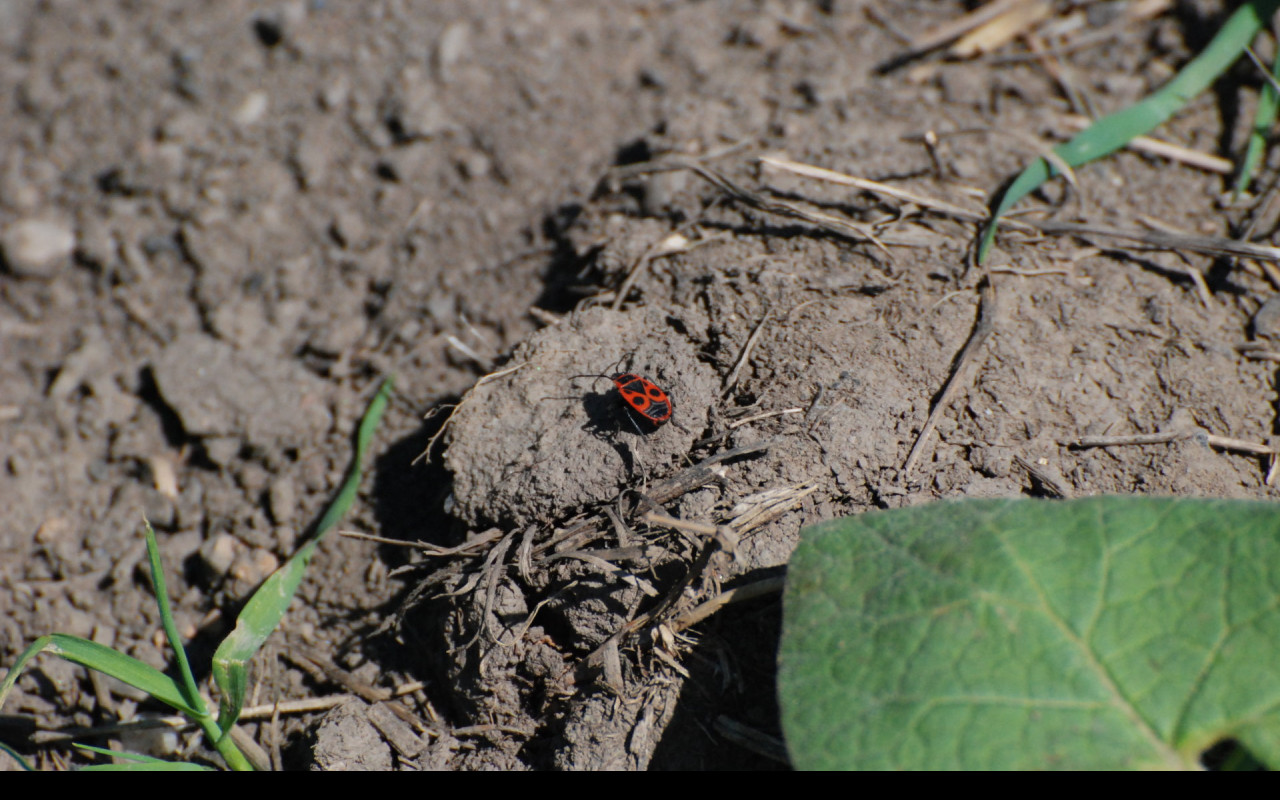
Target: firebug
[[644, 400]]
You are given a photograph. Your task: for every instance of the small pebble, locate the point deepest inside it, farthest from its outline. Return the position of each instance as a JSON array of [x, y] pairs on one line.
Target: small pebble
[[252, 109], [222, 450], [286, 537], [179, 547], [160, 510], [218, 553], [158, 741], [474, 165], [1266, 321], [282, 501], [454, 44], [98, 244], [37, 248], [335, 93], [254, 567], [349, 229], [419, 113]]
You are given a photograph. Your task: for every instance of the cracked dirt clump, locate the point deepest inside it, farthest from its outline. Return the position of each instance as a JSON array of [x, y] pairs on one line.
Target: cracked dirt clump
[[533, 443]]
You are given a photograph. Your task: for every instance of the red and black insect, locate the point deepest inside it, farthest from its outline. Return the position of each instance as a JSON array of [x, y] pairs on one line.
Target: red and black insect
[[647, 405]]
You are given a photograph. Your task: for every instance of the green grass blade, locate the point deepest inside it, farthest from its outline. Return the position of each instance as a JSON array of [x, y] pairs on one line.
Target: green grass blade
[[106, 751], [364, 435], [107, 661], [1263, 119], [22, 762], [162, 766], [225, 746], [188, 685], [1114, 131], [137, 762], [263, 612]]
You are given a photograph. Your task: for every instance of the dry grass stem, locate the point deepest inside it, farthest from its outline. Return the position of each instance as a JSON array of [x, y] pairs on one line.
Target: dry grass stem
[[875, 187], [951, 30], [736, 595], [1015, 19], [965, 369], [753, 740], [730, 381], [831, 224], [1220, 442], [766, 415]]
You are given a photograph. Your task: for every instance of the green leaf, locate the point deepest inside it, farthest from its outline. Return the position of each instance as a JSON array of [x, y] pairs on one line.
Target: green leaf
[[105, 660], [263, 612], [1116, 130], [1103, 633]]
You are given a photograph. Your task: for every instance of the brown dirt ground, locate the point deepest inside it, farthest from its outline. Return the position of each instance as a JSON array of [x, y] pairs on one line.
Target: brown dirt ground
[[256, 210]]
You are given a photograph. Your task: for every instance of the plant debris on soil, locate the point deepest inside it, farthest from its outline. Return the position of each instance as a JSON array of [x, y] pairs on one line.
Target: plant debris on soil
[[222, 224]]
